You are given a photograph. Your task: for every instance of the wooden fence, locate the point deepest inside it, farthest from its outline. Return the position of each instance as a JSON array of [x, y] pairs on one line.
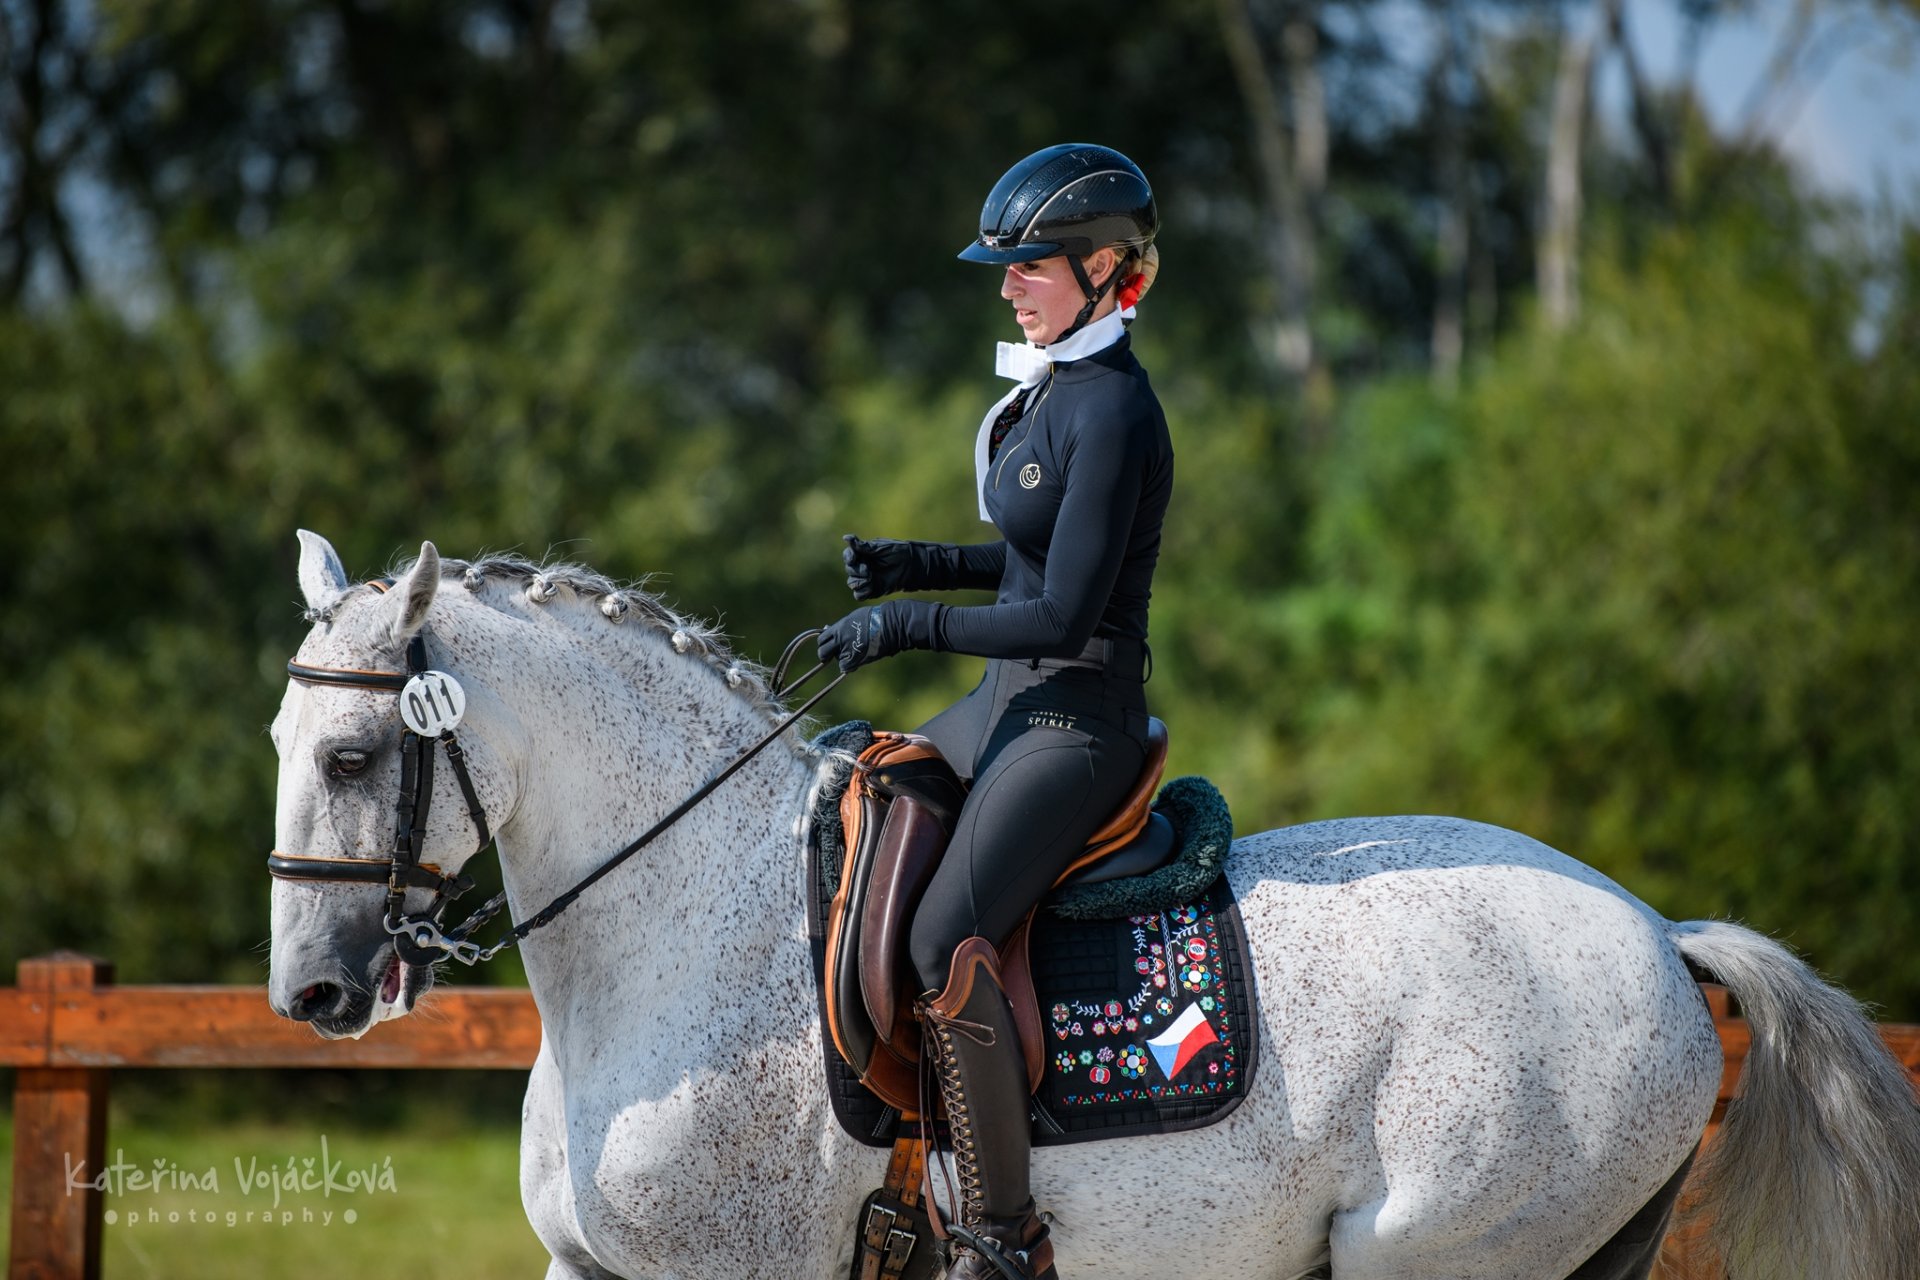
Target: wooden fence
[[66, 1028]]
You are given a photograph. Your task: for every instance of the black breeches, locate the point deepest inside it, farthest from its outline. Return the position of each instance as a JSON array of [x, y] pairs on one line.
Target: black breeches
[[1052, 750]]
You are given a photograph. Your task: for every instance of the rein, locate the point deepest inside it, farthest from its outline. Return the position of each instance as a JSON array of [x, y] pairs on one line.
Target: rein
[[431, 705]]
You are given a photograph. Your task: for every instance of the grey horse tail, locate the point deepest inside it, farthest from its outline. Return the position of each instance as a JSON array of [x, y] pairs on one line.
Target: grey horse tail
[[1813, 1173]]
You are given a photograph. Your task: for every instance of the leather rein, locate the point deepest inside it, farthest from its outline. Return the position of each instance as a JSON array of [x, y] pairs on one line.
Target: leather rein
[[421, 938]]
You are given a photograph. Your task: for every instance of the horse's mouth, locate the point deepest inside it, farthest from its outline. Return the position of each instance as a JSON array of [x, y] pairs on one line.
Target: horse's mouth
[[394, 979], [393, 995]]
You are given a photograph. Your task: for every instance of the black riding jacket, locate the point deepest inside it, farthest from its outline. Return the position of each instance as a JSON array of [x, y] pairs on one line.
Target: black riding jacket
[[1079, 490]]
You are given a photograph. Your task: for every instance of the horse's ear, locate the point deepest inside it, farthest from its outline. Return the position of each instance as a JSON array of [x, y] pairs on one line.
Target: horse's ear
[[322, 577], [412, 596]]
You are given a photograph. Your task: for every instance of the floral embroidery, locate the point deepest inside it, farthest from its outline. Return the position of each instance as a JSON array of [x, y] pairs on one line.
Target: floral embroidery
[[1177, 966]]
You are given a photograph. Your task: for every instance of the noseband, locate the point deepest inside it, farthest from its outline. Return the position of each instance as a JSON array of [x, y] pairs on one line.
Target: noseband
[[429, 710]]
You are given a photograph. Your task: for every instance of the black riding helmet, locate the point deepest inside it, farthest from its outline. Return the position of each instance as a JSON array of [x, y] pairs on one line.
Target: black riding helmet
[[1071, 199]]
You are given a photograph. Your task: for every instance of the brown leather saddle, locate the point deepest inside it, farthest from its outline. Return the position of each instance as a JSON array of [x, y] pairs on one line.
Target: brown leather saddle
[[897, 814]]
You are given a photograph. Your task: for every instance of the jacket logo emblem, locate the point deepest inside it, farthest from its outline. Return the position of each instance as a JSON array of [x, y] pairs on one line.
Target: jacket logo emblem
[[1030, 475], [1049, 720]]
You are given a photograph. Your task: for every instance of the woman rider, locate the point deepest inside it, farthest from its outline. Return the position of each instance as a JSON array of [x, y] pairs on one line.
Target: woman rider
[[1074, 467]]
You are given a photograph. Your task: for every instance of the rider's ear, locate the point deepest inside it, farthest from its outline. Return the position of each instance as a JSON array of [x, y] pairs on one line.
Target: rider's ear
[[322, 577], [412, 596], [1103, 273]]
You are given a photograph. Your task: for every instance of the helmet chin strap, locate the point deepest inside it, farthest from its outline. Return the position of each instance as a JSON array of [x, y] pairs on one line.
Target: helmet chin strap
[[1093, 293]]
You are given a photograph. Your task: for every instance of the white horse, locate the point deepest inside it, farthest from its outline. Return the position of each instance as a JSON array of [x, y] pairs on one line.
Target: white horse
[[1480, 1057]]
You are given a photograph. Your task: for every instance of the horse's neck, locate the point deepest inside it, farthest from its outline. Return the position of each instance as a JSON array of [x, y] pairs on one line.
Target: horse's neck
[[681, 932], [719, 891]]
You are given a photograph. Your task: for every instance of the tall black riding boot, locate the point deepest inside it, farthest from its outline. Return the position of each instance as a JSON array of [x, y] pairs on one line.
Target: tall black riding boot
[[973, 1051]]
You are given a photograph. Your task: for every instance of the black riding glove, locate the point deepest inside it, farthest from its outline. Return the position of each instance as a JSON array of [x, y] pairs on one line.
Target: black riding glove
[[878, 568], [879, 631]]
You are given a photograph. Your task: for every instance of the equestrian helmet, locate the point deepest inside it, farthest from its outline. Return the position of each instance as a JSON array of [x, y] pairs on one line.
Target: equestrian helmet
[[1069, 199]]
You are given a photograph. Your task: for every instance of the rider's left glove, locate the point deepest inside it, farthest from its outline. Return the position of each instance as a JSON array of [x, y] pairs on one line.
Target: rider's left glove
[[878, 631]]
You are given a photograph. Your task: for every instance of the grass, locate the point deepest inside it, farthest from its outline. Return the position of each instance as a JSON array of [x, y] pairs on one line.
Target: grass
[[449, 1205]]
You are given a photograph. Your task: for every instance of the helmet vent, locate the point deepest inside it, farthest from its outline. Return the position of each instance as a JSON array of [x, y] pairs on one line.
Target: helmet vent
[[1042, 185]]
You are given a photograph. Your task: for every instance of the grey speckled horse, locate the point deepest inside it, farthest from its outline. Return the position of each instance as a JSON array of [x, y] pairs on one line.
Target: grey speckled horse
[[1482, 1058]]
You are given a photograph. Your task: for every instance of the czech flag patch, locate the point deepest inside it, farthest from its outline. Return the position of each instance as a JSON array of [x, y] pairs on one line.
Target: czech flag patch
[[1174, 1048]]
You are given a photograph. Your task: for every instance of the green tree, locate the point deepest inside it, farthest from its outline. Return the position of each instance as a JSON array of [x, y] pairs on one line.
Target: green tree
[[1647, 592]]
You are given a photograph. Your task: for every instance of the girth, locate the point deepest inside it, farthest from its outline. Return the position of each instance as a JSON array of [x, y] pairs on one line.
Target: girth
[[897, 814]]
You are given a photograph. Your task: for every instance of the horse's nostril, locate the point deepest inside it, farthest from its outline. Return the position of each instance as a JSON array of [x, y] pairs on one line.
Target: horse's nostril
[[314, 1001]]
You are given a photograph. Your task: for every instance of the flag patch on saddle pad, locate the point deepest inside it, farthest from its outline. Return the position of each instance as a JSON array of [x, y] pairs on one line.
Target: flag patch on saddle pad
[[1175, 1047]]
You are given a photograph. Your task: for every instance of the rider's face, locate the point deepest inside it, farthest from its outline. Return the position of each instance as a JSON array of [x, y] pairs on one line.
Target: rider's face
[[1046, 297]]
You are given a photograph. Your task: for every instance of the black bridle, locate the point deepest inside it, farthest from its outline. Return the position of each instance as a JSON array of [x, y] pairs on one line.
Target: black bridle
[[420, 938]]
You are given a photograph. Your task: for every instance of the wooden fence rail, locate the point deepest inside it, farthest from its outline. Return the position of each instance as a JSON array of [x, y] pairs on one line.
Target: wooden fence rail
[[66, 1027]]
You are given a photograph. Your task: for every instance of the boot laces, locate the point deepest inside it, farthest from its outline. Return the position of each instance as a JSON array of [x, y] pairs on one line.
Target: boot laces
[[942, 1063]]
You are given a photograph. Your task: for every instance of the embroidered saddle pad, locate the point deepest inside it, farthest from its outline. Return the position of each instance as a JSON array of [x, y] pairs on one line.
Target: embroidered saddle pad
[[1147, 1018]]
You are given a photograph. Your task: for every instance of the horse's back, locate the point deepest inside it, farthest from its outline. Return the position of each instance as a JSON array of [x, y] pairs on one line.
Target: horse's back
[[1488, 1035]]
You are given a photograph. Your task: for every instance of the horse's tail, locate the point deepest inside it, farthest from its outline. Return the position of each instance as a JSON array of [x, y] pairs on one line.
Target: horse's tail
[[1814, 1172]]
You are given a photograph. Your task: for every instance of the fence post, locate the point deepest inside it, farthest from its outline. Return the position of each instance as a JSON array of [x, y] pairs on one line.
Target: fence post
[[59, 1115]]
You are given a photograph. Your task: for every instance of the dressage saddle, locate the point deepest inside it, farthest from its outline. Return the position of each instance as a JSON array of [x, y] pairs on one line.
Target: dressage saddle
[[897, 815]]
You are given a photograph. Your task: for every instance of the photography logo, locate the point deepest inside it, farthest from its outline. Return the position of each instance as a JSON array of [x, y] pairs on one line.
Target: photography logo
[[313, 1189]]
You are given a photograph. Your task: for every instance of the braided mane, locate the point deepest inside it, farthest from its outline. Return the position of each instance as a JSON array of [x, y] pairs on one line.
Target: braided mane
[[557, 582]]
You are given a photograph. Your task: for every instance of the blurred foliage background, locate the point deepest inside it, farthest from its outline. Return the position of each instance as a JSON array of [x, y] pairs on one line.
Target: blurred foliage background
[[1534, 466]]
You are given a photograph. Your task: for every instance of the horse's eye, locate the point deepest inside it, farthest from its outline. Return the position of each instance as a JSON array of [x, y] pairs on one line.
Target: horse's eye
[[343, 764]]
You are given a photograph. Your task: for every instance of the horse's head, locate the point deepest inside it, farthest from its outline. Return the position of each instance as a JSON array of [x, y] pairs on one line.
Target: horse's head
[[340, 736], [590, 709]]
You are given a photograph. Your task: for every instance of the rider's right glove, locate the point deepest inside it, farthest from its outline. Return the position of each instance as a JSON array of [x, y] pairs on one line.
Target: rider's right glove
[[882, 567]]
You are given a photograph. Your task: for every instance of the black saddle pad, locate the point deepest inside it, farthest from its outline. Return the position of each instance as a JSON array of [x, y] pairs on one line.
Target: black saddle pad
[[1149, 1020]]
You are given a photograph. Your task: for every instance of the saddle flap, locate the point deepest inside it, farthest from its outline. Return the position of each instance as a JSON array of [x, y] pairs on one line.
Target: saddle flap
[[1016, 980], [852, 1032], [888, 1069], [911, 842], [895, 766]]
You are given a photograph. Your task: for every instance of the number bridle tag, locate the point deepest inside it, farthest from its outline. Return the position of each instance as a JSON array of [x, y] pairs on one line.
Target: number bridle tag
[[432, 703]]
